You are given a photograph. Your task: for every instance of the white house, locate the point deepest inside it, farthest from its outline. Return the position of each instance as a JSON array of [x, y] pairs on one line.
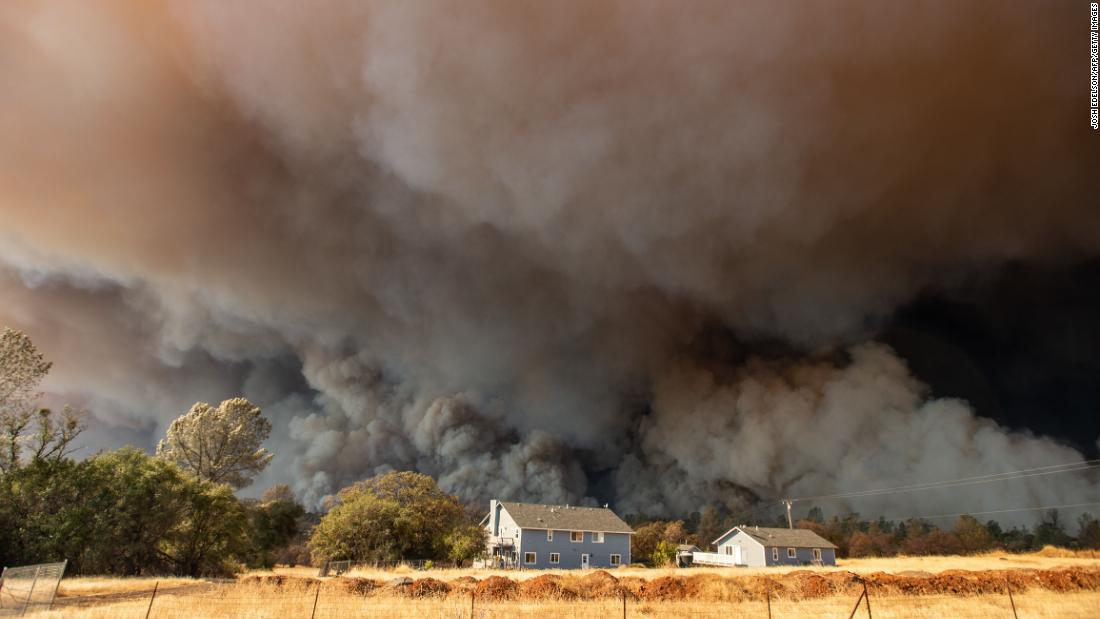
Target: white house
[[763, 546]]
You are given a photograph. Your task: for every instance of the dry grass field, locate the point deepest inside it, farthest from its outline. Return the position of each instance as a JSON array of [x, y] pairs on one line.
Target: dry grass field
[[1045, 584]]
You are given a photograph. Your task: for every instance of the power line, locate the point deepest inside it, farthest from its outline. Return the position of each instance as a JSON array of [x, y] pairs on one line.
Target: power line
[[996, 511], [1051, 469]]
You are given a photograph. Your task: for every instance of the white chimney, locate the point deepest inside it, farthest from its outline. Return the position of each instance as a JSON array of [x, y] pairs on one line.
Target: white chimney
[[493, 524]]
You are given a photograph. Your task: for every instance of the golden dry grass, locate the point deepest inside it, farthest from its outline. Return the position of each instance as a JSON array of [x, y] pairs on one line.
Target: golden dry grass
[[286, 606], [105, 585], [717, 593]]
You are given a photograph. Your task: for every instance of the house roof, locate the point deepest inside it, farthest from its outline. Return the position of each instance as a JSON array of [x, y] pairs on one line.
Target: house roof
[[567, 518], [791, 538]]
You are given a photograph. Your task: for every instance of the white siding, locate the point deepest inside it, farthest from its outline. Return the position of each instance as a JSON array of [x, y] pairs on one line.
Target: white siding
[[752, 553]]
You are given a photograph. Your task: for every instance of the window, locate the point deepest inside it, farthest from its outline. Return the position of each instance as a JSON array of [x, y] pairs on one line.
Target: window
[[597, 537], [775, 554], [791, 553], [549, 535], [555, 558], [817, 554], [615, 560], [576, 536], [530, 557]]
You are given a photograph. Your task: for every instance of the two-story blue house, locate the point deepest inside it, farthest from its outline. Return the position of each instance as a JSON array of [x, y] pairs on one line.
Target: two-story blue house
[[532, 536]]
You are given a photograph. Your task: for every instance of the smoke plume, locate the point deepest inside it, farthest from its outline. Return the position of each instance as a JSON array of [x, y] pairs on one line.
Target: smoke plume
[[574, 251]]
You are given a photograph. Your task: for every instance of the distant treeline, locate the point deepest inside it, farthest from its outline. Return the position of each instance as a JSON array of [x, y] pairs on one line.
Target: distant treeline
[[857, 537]]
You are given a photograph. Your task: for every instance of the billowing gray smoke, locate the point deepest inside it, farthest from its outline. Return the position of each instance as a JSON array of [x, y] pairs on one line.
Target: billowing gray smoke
[[495, 241]]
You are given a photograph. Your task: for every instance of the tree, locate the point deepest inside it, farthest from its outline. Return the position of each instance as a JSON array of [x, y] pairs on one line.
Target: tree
[[273, 524], [219, 444], [664, 553], [710, 527], [646, 543], [645, 540], [973, 536], [46, 514], [466, 542], [45, 433], [140, 500], [210, 536], [389, 517], [1088, 531], [122, 512], [1051, 531]]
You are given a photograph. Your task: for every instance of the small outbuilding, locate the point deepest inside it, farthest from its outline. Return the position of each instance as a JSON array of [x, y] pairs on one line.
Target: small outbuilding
[[762, 546]]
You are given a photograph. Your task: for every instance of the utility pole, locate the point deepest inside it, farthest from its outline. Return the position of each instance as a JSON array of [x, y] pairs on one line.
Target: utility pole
[[788, 503]]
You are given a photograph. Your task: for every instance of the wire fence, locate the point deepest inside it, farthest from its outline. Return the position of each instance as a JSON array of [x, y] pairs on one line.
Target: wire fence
[[29, 587], [225, 600]]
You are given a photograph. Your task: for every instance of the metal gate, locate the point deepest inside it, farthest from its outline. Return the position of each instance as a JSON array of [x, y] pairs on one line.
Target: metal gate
[[29, 588]]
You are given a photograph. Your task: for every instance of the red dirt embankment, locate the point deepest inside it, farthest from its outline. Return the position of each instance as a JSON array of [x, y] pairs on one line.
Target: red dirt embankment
[[795, 585]]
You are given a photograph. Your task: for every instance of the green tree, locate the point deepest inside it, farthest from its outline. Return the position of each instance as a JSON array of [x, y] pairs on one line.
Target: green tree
[[210, 537], [466, 542], [273, 524], [664, 553], [973, 536], [219, 444], [139, 501], [45, 513], [393, 516]]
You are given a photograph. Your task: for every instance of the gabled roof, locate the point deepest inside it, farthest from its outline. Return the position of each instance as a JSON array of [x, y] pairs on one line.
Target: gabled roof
[[791, 538], [566, 518]]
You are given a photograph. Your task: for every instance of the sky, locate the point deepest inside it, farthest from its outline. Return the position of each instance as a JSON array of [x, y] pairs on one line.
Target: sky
[[663, 256]]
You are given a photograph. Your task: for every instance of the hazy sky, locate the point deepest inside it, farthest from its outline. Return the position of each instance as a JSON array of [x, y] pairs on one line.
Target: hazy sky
[[657, 254]]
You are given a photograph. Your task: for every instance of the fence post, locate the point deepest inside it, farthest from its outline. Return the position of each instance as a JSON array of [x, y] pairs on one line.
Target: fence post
[[471, 605], [624, 603], [768, 596], [149, 608], [856, 607], [1008, 585], [867, 598], [316, 595]]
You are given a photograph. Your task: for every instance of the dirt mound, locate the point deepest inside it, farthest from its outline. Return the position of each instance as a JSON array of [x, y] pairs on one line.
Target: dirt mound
[[496, 588], [599, 584], [665, 588], [632, 585], [545, 587], [1068, 580], [814, 586], [762, 587], [427, 587], [354, 586]]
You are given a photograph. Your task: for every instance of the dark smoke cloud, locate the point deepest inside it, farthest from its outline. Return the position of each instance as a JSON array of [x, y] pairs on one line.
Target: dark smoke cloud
[[493, 240]]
